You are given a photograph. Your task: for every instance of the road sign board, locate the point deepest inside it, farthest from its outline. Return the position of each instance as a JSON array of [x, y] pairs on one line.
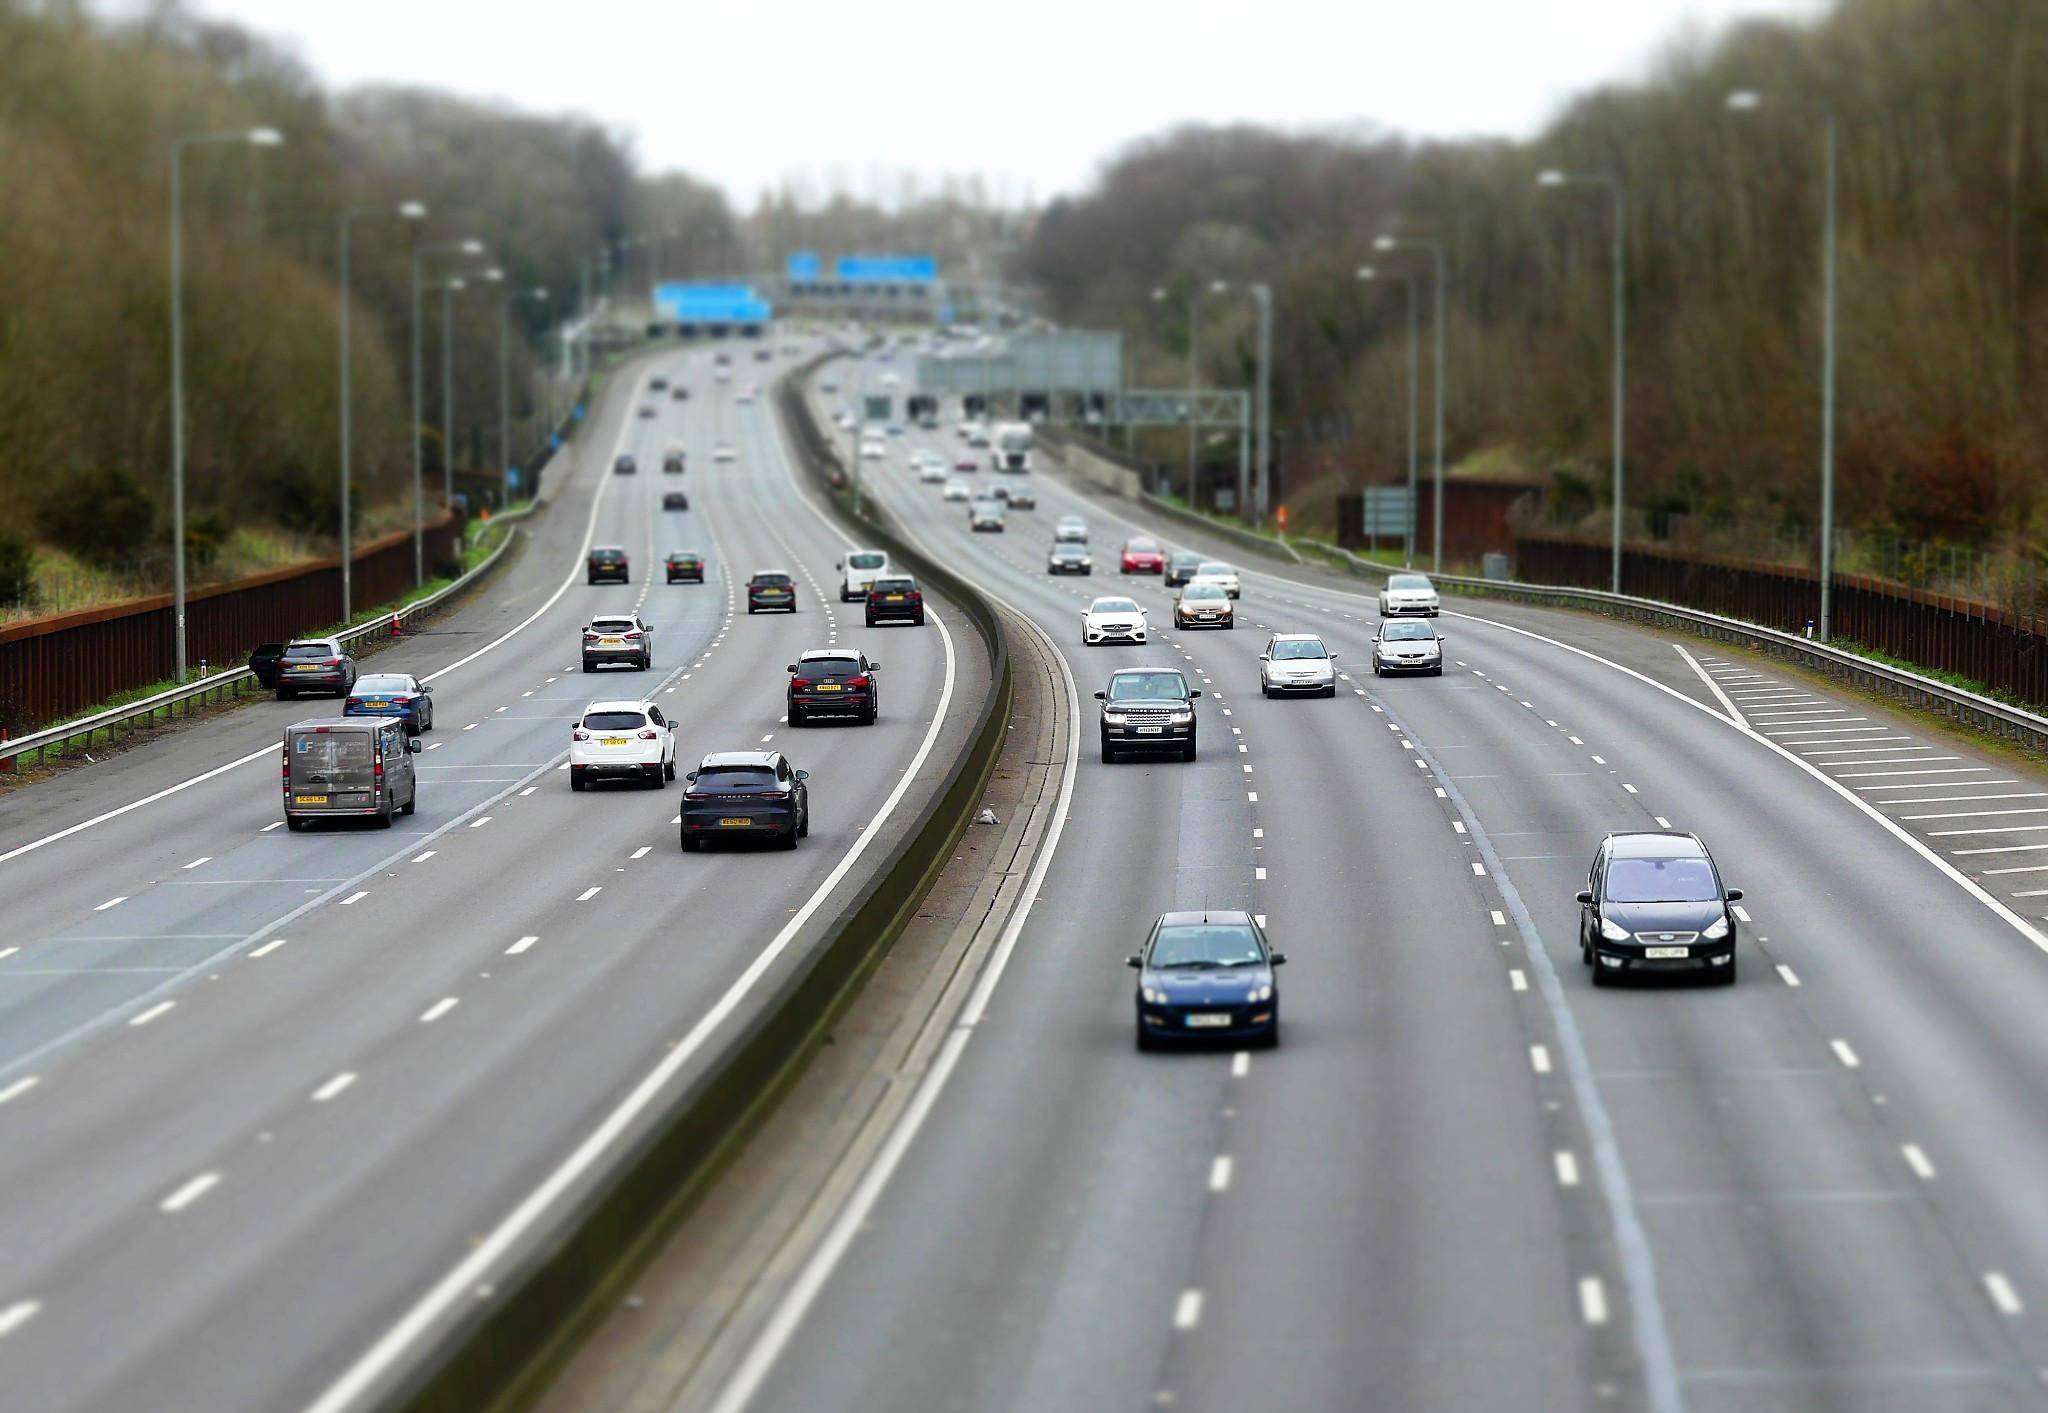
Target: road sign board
[[887, 269], [806, 265]]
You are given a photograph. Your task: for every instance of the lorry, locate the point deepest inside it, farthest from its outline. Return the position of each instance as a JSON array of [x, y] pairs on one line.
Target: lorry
[[1010, 447]]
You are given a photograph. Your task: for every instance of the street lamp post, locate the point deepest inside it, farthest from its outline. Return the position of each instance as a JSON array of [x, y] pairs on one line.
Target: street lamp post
[[1748, 100], [407, 211], [253, 137], [1194, 372], [1555, 178], [1369, 272], [504, 389], [1436, 249], [419, 514], [449, 290], [1262, 295]]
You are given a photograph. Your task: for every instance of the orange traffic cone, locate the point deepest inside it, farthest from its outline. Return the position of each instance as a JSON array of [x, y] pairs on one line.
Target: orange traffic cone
[[397, 628]]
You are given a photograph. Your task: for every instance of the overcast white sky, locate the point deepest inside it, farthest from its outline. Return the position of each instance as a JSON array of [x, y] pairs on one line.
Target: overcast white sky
[[1035, 95]]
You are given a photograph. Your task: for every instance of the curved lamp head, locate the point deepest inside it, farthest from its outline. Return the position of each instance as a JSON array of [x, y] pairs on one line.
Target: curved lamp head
[[265, 137], [471, 247], [1385, 242], [1745, 100], [412, 210], [1550, 176]]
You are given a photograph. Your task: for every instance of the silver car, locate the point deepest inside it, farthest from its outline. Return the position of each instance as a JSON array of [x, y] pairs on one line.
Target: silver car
[[1409, 594], [1406, 645], [1297, 662]]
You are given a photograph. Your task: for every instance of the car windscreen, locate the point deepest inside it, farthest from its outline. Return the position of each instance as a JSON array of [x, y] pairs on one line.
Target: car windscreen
[[307, 651], [1211, 567], [1404, 632], [1187, 561], [772, 581], [1298, 649], [1069, 552], [613, 720], [1142, 546], [329, 756], [1206, 945], [1146, 686], [866, 561], [1113, 606], [1204, 591], [1683, 880], [828, 667], [1407, 581], [736, 778], [382, 685]]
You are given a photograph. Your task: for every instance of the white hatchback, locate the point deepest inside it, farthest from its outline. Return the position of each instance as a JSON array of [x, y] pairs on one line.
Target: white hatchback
[[620, 740], [1409, 594]]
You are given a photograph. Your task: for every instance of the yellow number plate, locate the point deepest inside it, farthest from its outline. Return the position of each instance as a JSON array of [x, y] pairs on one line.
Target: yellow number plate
[[611, 740], [830, 687], [735, 823], [305, 667], [309, 799], [611, 642], [892, 598]]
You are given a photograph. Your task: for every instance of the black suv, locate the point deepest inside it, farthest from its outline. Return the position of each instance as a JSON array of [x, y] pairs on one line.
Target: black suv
[[625, 465], [895, 598], [746, 795], [1148, 709], [771, 589], [685, 567], [1180, 567], [834, 682], [1654, 902], [607, 562], [675, 500]]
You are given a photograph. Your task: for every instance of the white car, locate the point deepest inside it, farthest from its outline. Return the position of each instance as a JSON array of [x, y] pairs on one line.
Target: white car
[[858, 570], [1409, 593], [986, 513], [723, 452], [873, 450], [1112, 620], [843, 421], [1401, 646], [1297, 662], [931, 473], [955, 490], [1071, 530], [746, 394], [1219, 573], [621, 740], [1204, 603]]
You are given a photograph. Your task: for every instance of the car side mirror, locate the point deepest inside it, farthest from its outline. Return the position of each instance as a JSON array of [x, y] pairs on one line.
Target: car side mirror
[[840, 565], [427, 691], [792, 667], [1196, 693], [1134, 960], [803, 775], [873, 665], [1265, 657], [1278, 959], [1102, 696], [412, 745], [1585, 897], [691, 776], [1734, 895]]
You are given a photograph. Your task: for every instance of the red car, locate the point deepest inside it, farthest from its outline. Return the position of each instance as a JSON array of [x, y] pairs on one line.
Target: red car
[[1143, 556]]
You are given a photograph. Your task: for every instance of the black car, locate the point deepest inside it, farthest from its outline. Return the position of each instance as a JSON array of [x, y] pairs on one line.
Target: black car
[[625, 465], [315, 665], [607, 562], [263, 661], [646, 412], [685, 567], [1022, 498], [1068, 558], [675, 500], [1207, 976], [746, 795], [679, 393], [672, 461], [1181, 567], [657, 384], [771, 589], [895, 598], [1655, 902], [1148, 709], [833, 682]]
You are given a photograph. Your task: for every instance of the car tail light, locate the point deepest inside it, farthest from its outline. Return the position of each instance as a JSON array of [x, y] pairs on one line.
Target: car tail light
[[632, 633], [860, 681], [330, 662], [589, 635], [579, 734], [649, 735], [799, 681], [377, 770]]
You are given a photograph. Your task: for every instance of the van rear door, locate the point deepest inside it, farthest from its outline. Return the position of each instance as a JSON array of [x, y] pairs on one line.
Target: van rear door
[[333, 769]]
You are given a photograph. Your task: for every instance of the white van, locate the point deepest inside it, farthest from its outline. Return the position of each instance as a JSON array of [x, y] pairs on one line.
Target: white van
[[858, 570]]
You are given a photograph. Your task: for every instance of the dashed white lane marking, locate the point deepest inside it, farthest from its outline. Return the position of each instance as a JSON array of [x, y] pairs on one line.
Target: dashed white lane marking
[[427, 855], [1440, 793], [19, 1087], [1918, 1161], [2002, 1294], [1258, 833], [437, 745], [471, 727], [769, 737], [191, 1192], [355, 897], [1240, 1064], [1630, 788], [526, 694], [110, 903], [1787, 975], [521, 945], [1458, 825], [587, 894], [270, 826], [1567, 1167], [1575, 740], [439, 1009], [1259, 918], [1187, 1311], [1662, 822], [152, 1013], [480, 823], [6, 952], [1517, 980], [334, 1086], [1592, 1300], [1741, 913], [271, 946], [641, 852], [1422, 765], [1500, 919], [1539, 1058], [1219, 1173], [1599, 760], [1846, 1055], [17, 1315], [502, 708], [1478, 869], [1259, 875], [203, 858]]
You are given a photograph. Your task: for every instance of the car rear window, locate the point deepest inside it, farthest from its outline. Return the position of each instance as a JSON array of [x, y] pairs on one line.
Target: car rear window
[[772, 580], [613, 720], [613, 625], [736, 777], [867, 561], [895, 586], [1140, 686], [1210, 566], [607, 554], [829, 666], [311, 650], [325, 755], [382, 686]]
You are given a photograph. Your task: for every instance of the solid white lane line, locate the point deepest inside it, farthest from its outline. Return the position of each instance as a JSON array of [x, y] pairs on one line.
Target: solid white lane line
[[191, 1192], [1917, 1160], [1809, 730], [439, 1009], [2002, 1294], [521, 945], [641, 852], [110, 903], [1715, 687], [2001, 849], [334, 1086], [587, 894], [1893, 774], [18, 1314], [1989, 829], [19, 1087], [203, 858], [1847, 1056], [1187, 1311], [152, 1013], [355, 897], [1929, 785], [1787, 975], [1867, 750], [1567, 1164], [1977, 814], [1219, 1173], [1592, 1300]]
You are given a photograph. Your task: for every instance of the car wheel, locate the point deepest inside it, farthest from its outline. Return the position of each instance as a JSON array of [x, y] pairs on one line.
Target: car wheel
[[1187, 752], [789, 840], [285, 694], [1265, 691], [661, 776], [689, 845], [1376, 670], [1600, 977], [1145, 1038], [1728, 973], [918, 621], [803, 824], [576, 780], [295, 824], [646, 661], [1271, 1039], [750, 610], [1232, 624], [1331, 690], [1108, 753], [412, 801], [587, 666], [871, 620], [384, 819], [668, 770]]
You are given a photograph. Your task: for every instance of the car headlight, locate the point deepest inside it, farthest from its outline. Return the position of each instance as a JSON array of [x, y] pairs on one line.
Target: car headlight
[[1717, 930], [1183, 716], [1263, 993], [1152, 998], [1114, 718], [1614, 931]]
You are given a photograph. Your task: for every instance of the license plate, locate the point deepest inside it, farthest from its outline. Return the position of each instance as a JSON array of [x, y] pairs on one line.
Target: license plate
[[1663, 954], [611, 740], [734, 823], [611, 642], [309, 799], [305, 667], [1208, 1020], [892, 598], [830, 687], [1151, 730], [379, 705]]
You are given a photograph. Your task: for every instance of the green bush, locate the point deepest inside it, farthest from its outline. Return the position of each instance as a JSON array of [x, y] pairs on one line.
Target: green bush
[[17, 571], [205, 534], [298, 500], [101, 515]]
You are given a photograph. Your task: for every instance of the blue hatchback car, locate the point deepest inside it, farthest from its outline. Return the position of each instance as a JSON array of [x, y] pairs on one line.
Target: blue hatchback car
[[393, 694], [1207, 975]]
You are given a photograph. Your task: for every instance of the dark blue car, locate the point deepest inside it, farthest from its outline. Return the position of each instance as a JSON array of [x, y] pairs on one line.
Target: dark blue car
[[1207, 976], [393, 694]]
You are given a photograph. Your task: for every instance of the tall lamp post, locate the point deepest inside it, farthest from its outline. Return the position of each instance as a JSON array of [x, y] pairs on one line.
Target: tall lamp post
[[1436, 249], [252, 137], [449, 289], [419, 513], [1745, 100], [405, 211], [504, 388], [1407, 278], [1194, 370], [1612, 184], [1263, 297]]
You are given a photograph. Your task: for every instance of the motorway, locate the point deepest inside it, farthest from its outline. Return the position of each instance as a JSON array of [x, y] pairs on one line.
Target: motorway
[[1467, 1179], [270, 1101]]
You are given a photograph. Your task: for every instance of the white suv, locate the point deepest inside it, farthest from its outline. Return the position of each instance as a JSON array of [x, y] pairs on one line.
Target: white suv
[[858, 570], [622, 739]]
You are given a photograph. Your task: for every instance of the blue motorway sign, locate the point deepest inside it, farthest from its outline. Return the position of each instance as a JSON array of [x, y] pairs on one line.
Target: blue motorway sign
[[712, 304], [888, 269], [577, 415], [806, 265]]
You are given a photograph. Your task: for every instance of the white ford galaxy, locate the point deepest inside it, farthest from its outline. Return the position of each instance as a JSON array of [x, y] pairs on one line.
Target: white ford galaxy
[[1408, 594], [1112, 620], [621, 740]]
